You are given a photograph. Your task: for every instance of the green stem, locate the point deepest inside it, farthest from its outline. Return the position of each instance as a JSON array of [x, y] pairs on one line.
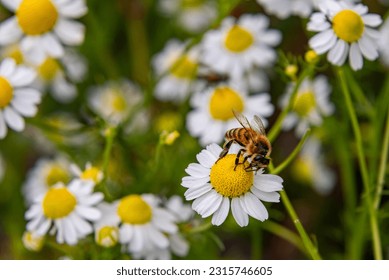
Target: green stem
[[362, 164], [109, 134], [293, 155], [277, 126], [256, 241]]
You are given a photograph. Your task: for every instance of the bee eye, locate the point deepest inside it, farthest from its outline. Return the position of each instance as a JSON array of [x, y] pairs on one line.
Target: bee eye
[[258, 158]]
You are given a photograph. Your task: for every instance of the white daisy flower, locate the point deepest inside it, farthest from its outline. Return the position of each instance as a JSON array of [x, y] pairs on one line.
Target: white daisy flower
[[239, 45], [345, 30], [17, 99], [212, 112], [32, 242], [310, 105], [142, 223], [106, 229], [177, 70], [90, 172], [13, 51], [65, 211], [286, 8], [45, 174], [383, 43], [43, 26], [193, 16], [310, 168], [115, 100], [216, 184]]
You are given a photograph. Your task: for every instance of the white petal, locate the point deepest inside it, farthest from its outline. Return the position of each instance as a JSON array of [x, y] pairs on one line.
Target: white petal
[[158, 238], [254, 207], [207, 204], [126, 233], [268, 182], [11, 4], [368, 48], [13, 119], [192, 182], [355, 57], [164, 226], [73, 9], [372, 20], [70, 32], [28, 95], [43, 228], [193, 193], [70, 234], [52, 46], [206, 158], [322, 39], [22, 76], [10, 31], [215, 149], [138, 238], [238, 213], [266, 196], [7, 67], [24, 108], [82, 227], [338, 54], [221, 214], [92, 199], [197, 170], [89, 213]]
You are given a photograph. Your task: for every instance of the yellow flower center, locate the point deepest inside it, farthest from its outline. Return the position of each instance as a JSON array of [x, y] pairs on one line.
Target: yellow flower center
[[6, 92], [49, 69], [133, 209], [32, 242], [223, 100], [119, 103], [168, 121], [302, 170], [238, 39], [57, 174], [91, 173], [305, 102], [16, 55], [107, 236], [229, 182], [348, 25], [36, 17], [184, 68], [58, 203]]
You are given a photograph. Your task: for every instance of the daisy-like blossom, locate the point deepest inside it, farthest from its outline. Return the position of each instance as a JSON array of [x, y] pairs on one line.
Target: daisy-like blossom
[[191, 15], [310, 105], [43, 27], [32, 242], [286, 8], [240, 45], [346, 30], [310, 168], [17, 98], [176, 68], [215, 187], [91, 173], [143, 224], [212, 113], [106, 229], [65, 211], [45, 174], [114, 101], [383, 43]]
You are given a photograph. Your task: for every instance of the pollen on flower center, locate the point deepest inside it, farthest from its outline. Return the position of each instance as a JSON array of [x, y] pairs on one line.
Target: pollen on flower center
[[348, 26], [36, 17], [57, 174], [118, 102], [133, 209], [6, 92], [184, 68], [238, 39], [303, 170], [304, 103], [107, 236], [91, 173], [49, 69], [223, 100], [58, 203], [229, 182]]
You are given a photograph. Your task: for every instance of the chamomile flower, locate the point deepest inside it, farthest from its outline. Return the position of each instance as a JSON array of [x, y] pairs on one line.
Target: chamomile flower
[[43, 26], [91, 173], [286, 8], [65, 211], [142, 223], [17, 98], [177, 70], [191, 15], [32, 242], [345, 30], [115, 100], [215, 187], [212, 113], [383, 43], [106, 229], [310, 105], [13, 51], [239, 45], [310, 168], [45, 174]]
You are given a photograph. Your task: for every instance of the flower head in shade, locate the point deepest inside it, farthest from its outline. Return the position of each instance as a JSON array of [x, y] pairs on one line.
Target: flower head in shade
[[212, 113], [176, 68], [90, 173], [32, 242], [239, 45], [345, 31], [65, 211], [215, 186], [286, 8], [17, 98], [43, 26], [310, 105], [383, 43]]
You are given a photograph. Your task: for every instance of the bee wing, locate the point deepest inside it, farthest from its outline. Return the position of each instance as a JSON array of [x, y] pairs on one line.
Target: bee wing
[[241, 119], [258, 125]]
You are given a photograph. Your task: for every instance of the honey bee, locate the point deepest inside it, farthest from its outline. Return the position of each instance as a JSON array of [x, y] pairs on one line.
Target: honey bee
[[252, 137]]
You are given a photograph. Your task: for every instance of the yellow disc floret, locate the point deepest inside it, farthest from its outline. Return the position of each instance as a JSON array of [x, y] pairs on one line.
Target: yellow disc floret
[[184, 68], [133, 209], [36, 17], [6, 92], [229, 182], [57, 174], [304, 103], [49, 69], [92, 173], [238, 39], [58, 203], [348, 26], [223, 101], [107, 236]]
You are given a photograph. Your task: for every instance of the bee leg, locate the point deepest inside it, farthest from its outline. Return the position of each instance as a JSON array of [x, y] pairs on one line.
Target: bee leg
[[226, 148], [237, 157]]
